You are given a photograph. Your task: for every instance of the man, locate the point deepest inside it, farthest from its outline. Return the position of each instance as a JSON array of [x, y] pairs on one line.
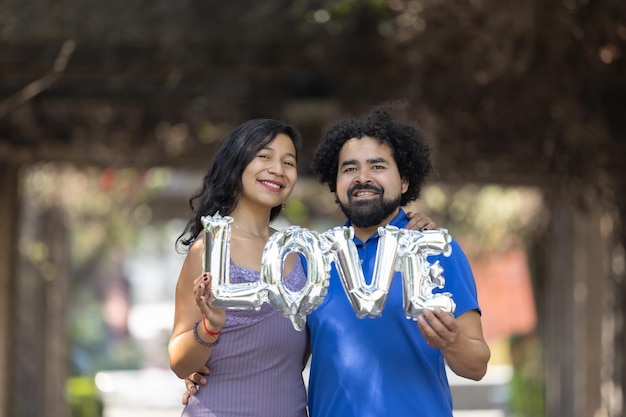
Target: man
[[387, 365]]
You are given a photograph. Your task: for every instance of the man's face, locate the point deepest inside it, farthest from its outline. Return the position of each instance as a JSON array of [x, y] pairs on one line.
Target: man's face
[[369, 186]]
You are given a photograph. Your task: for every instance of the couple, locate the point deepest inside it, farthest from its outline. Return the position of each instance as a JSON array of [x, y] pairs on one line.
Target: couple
[[359, 367]]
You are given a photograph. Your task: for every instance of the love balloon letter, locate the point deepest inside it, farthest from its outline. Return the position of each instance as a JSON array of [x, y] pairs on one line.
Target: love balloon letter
[[398, 250]]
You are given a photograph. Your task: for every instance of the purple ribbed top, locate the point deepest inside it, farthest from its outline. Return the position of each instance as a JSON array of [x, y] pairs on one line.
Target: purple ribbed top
[[256, 370]]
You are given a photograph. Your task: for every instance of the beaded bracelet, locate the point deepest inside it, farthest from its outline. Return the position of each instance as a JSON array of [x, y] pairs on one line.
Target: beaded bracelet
[[202, 342]]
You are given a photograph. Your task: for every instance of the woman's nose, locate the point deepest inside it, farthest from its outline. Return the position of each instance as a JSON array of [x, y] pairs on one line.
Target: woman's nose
[[276, 167]]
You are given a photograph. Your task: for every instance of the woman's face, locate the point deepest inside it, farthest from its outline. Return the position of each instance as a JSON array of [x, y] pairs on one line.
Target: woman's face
[[269, 178]]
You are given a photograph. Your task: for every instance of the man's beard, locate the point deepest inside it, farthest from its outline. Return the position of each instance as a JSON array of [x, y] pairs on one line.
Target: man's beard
[[371, 212]]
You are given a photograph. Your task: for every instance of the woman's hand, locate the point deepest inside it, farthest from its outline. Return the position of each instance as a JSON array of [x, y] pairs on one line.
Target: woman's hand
[[215, 317], [420, 221]]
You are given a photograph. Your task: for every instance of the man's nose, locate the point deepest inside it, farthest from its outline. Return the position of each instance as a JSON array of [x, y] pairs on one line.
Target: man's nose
[[363, 177]]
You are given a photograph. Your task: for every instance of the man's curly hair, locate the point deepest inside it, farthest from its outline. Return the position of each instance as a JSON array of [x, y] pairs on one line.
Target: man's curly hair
[[408, 145]]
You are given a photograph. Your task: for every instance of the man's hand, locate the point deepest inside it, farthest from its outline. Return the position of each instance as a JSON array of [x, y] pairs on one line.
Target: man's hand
[[460, 340], [192, 382], [438, 327]]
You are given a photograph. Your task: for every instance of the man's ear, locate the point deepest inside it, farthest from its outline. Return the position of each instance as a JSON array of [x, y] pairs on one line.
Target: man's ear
[[405, 184]]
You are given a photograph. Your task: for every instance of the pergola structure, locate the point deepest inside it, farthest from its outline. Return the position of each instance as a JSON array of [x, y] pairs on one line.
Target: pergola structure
[[516, 93]]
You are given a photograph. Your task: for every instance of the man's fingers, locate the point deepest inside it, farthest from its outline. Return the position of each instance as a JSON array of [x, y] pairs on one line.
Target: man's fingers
[[191, 386], [192, 382]]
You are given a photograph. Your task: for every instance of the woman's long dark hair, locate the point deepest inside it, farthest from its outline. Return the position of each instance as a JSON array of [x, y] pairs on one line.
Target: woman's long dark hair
[[222, 186]]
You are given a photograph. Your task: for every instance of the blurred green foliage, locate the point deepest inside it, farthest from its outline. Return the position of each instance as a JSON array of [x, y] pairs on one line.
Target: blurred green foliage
[[528, 383], [83, 397]]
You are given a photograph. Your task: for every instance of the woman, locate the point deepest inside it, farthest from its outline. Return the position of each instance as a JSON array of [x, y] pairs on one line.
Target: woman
[[257, 367], [255, 357]]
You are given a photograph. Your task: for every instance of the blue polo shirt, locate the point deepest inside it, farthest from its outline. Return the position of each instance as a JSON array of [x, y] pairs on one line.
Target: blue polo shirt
[[382, 366]]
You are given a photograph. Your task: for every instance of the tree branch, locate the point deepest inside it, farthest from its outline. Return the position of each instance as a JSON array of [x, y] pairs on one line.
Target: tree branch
[[38, 86]]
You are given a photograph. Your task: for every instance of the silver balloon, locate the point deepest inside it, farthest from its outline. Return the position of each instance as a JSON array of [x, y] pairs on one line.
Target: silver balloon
[[216, 260], [366, 299], [420, 277], [295, 304], [398, 250]]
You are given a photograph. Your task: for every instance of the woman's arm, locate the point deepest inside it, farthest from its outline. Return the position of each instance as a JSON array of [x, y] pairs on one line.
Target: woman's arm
[[186, 353]]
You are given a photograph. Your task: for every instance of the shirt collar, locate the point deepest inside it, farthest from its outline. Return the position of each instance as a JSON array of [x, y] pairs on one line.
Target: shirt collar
[[399, 221]]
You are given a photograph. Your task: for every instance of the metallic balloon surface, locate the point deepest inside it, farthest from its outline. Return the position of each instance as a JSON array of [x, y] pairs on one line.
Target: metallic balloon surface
[[368, 300], [239, 296], [398, 249], [295, 303], [420, 277]]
